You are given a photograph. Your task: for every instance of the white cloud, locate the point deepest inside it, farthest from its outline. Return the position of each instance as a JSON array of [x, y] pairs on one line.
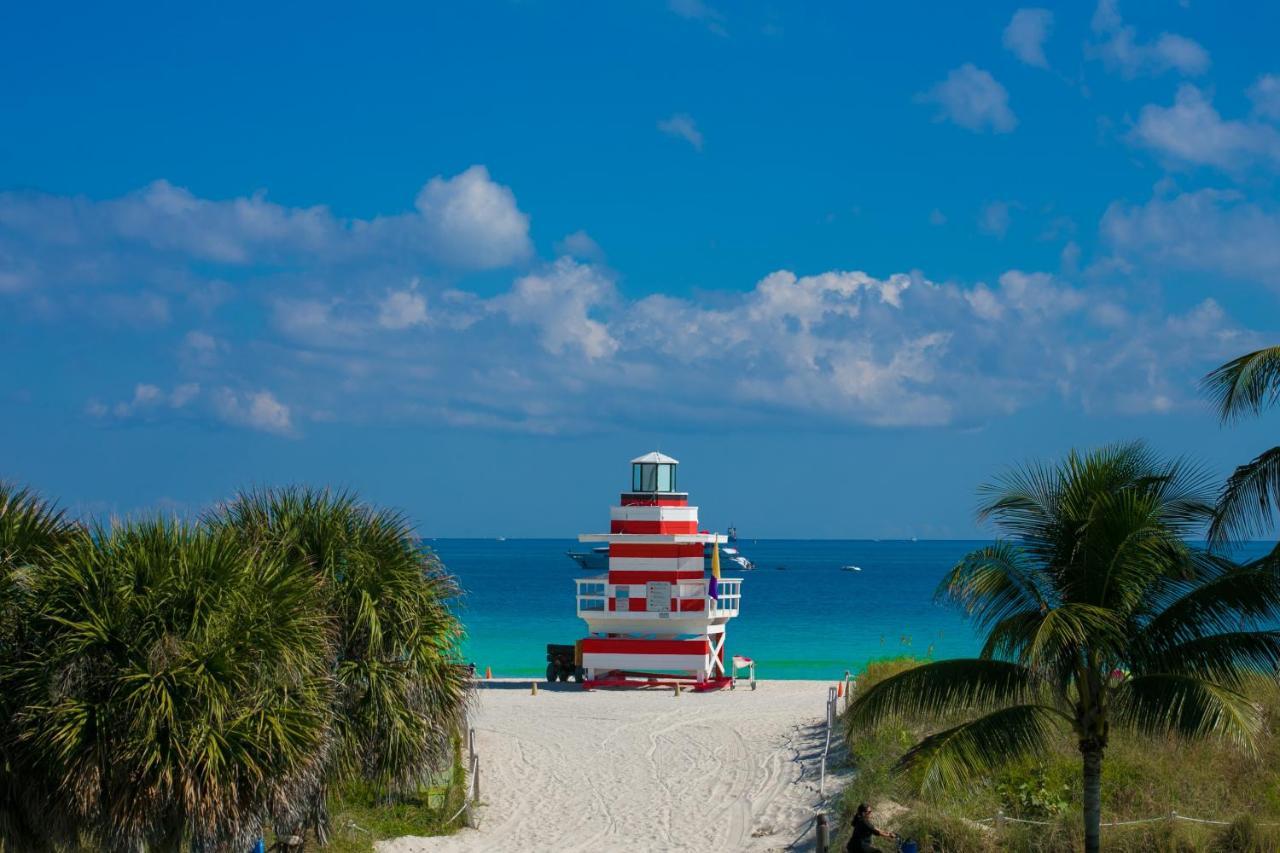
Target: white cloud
[[258, 410], [1265, 94], [1026, 34], [994, 218], [1208, 230], [467, 221], [1121, 50], [557, 303], [558, 348], [682, 126], [579, 245], [401, 309], [697, 10], [973, 99], [473, 222], [1192, 132]]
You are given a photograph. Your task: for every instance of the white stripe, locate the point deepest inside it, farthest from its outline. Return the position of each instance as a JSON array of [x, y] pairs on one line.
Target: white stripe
[[635, 660], [656, 564], [653, 513]]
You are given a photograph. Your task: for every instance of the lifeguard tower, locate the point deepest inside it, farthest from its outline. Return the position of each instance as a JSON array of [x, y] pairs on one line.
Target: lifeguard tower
[[659, 615]]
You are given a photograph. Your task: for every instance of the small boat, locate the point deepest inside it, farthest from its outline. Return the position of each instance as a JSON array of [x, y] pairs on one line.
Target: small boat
[[597, 559], [851, 568], [733, 533]]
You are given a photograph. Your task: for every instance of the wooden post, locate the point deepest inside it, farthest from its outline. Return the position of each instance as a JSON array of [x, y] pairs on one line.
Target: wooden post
[[475, 780], [471, 745], [821, 846]]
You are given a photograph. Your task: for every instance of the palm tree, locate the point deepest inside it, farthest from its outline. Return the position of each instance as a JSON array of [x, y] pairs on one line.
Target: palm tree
[[1099, 616], [177, 692], [1241, 387], [402, 692], [31, 529]]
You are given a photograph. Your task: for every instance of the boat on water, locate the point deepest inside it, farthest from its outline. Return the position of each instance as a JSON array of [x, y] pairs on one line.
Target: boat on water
[[733, 533], [851, 568], [597, 559]]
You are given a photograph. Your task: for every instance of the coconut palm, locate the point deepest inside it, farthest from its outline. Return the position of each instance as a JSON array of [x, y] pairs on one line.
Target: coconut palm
[[1244, 386], [1099, 617], [401, 691], [177, 692], [30, 530]]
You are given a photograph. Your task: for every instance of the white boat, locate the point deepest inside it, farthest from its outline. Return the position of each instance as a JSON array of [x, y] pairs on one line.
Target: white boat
[[851, 568]]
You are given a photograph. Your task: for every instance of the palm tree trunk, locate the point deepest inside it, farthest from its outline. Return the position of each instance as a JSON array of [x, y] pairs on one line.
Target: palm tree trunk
[[1092, 754]]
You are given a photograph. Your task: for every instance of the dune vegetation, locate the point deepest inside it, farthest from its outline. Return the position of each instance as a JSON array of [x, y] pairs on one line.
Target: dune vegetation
[[169, 684]]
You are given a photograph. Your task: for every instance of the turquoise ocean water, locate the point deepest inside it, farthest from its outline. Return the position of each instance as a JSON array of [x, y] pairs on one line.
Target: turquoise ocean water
[[807, 620]]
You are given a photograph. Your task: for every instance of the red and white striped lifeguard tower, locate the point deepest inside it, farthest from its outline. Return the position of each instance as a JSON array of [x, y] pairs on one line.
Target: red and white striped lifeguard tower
[[657, 616]]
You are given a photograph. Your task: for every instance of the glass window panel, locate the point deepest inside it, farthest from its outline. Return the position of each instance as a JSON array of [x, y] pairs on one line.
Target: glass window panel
[[649, 477], [635, 477], [664, 478]]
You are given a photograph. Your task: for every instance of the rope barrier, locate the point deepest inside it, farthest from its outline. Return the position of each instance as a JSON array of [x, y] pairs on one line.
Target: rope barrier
[[1113, 823]]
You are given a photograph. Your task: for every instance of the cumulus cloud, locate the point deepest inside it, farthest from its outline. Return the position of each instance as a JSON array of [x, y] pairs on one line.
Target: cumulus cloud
[[1026, 34], [1265, 94], [558, 347], [1209, 230], [682, 126], [1191, 132], [467, 221], [973, 99], [557, 302], [400, 309], [258, 410], [1122, 51], [697, 10], [994, 218], [579, 245]]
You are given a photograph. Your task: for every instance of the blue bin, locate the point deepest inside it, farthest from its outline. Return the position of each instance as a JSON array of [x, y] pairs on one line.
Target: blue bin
[[909, 847]]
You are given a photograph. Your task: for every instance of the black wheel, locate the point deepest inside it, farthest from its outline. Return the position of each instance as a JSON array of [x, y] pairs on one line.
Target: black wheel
[[564, 675], [551, 673]]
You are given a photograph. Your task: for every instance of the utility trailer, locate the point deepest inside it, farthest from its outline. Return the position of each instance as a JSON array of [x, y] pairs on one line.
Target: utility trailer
[[564, 663]]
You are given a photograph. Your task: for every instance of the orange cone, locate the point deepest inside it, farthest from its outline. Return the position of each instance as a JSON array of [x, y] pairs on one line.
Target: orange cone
[[488, 672], [840, 690]]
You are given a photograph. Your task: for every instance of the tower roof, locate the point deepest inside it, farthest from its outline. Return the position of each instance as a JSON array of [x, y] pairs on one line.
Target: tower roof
[[655, 456]]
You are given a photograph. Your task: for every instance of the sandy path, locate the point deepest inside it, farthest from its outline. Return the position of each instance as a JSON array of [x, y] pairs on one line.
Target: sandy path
[[642, 770]]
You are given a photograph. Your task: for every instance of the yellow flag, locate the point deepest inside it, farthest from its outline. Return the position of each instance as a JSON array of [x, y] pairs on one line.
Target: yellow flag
[[715, 560]]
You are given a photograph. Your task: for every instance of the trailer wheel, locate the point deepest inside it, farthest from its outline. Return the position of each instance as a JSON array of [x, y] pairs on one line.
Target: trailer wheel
[[551, 673]]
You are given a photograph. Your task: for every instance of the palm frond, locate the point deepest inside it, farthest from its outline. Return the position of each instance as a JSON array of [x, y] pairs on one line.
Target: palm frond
[[994, 583], [942, 688], [975, 749], [1222, 598], [1246, 384], [1247, 502], [1185, 705], [1228, 658]]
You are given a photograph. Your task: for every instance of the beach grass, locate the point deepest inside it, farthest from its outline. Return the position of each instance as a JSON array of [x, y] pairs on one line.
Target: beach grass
[[1143, 777]]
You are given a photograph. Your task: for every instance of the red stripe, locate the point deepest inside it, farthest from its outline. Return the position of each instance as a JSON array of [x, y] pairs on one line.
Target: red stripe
[[599, 645], [658, 549], [627, 526], [637, 605], [644, 500], [690, 604], [640, 576]]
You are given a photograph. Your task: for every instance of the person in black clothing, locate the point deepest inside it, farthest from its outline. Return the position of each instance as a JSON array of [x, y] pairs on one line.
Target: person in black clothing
[[864, 831]]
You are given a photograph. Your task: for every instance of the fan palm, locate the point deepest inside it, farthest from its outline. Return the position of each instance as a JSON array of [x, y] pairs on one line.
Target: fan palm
[[31, 529], [401, 691], [1098, 616], [1244, 386], [177, 693]]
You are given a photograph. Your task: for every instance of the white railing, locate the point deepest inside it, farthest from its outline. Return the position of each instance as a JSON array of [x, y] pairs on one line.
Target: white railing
[[593, 598]]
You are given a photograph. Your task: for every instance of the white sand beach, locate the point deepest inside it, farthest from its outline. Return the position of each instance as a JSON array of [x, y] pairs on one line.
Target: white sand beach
[[643, 770]]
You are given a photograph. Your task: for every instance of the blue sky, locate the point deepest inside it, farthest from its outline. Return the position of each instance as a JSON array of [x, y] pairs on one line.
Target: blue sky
[[846, 261]]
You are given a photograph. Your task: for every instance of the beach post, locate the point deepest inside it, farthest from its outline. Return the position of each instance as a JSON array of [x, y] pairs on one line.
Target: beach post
[[677, 693], [471, 743], [488, 673], [533, 688], [821, 846]]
